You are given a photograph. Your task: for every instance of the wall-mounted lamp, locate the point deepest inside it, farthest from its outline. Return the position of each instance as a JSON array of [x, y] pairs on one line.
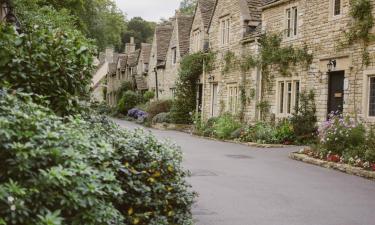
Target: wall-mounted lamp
[[211, 78], [331, 65]]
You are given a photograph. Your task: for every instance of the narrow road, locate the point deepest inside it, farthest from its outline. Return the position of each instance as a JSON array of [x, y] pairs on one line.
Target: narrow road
[[240, 185]]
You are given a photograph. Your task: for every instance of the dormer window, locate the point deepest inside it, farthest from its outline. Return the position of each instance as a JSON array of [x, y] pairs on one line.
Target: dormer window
[[291, 22], [224, 31], [174, 55]]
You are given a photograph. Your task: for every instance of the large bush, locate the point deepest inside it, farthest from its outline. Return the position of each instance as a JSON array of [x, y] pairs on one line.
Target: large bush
[[85, 171], [156, 107], [128, 101], [47, 61], [225, 126], [51, 171], [304, 119]]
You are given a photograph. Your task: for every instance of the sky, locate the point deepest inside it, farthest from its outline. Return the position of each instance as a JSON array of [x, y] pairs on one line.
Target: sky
[[150, 10]]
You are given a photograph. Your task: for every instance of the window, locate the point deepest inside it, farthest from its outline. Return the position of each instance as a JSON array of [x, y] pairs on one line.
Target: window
[[288, 96], [224, 31], [174, 55], [196, 41], [232, 98], [372, 97], [291, 22], [145, 67], [336, 7]]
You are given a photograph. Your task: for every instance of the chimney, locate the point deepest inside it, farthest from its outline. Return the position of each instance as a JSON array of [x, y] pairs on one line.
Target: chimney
[[109, 55], [130, 47]]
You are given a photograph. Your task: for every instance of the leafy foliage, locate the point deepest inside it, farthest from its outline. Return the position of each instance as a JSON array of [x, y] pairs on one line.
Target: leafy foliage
[[128, 101], [360, 29], [141, 30], [156, 107], [304, 118], [85, 170], [225, 126], [162, 118], [148, 95], [188, 6], [100, 20], [47, 61], [191, 68]]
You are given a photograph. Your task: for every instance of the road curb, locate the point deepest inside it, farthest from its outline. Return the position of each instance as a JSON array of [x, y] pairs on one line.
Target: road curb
[[345, 168]]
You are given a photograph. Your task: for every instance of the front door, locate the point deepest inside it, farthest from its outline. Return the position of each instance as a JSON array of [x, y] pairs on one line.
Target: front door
[[336, 92]]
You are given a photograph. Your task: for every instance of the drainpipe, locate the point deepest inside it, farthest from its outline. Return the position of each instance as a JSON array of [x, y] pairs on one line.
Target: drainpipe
[[156, 83]]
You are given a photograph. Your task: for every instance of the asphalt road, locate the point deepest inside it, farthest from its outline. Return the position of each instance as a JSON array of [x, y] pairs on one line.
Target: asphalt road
[[240, 185]]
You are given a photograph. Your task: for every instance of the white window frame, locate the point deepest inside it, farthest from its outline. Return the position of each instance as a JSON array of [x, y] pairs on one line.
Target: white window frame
[[332, 4], [291, 22], [233, 98], [225, 28], [287, 97], [367, 75]]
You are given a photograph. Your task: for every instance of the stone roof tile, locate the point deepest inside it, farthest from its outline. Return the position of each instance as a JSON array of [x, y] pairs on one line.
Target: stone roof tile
[[146, 52], [206, 7], [184, 24], [163, 37], [133, 58]]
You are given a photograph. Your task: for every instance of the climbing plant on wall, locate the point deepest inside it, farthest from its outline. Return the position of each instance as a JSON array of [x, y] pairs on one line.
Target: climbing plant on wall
[[191, 67], [360, 27]]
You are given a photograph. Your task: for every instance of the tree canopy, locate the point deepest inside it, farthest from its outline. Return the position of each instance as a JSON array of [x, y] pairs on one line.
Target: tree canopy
[[140, 29], [188, 6], [99, 20]]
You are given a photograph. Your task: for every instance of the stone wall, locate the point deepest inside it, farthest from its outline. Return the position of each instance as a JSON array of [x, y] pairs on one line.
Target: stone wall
[[321, 32]]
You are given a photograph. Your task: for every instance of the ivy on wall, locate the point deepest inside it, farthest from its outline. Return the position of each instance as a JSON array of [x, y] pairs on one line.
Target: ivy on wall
[[191, 67], [360, 27]]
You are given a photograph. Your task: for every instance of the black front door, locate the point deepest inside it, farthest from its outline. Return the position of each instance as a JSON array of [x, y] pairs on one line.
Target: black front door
[[336, 92]]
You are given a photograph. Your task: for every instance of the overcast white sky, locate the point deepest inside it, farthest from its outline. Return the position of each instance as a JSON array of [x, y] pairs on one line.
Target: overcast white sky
[[151, 10]]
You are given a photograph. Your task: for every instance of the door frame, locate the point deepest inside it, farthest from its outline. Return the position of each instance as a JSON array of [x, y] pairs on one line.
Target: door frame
[[329, 90]]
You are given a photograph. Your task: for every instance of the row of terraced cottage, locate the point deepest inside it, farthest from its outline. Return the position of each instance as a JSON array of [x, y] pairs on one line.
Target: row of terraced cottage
[[338, 76]]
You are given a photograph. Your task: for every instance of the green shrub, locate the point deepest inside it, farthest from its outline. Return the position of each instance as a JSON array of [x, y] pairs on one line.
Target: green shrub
[[85, 170], [125, 87], [204, 128], [51, 62], [340, 134], [156, 107], [148, 95], [304, 119], [225, 126], [161, 118], [128, 101], [260, 132], [284, 132], [53, 170]]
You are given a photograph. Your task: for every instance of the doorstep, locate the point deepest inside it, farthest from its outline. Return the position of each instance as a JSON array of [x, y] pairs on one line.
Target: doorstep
[[345, 168]]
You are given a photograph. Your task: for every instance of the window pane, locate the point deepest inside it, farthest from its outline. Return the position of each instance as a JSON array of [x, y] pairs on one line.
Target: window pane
[[288, 22], [295, 20], [297, 94], [372, 97], [289, 97], [337, 7], [281, 106]]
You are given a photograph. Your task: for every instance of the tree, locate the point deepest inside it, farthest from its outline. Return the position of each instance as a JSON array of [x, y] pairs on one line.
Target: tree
[[140, 29], [188, 6], [100, 20]]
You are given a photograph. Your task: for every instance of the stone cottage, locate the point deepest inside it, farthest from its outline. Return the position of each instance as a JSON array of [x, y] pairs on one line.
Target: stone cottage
[[230, 24], [158, 58], [199, 38], [143, 67], [337, 75], [178, 48]]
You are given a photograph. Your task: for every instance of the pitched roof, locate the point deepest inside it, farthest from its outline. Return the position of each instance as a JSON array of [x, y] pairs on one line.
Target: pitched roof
[[141, 82], [146, 52], [133, 58], [112, 67], [250, 10], [206, 8], [184, 24], [163, 37], [267, 2], [123, 58]]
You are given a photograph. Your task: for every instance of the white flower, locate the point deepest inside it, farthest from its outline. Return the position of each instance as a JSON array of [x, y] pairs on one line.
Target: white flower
[[13, 207], [10, 199]]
